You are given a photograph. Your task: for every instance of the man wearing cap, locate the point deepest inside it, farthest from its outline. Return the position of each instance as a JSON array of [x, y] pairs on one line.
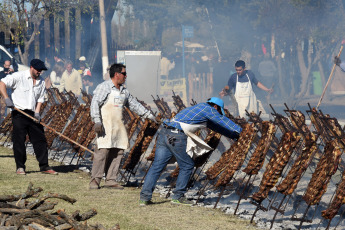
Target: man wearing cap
[[28, 95], [177, 138]]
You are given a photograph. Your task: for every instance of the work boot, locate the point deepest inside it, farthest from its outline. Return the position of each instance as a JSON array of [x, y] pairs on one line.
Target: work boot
[[112, 184], [94, 184]]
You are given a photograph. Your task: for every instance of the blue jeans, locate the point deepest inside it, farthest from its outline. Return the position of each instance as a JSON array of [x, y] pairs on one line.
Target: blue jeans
[[164, 151]]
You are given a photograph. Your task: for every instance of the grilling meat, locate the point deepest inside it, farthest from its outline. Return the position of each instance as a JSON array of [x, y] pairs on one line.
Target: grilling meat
[[326, 167], [276, 165], [337, 201], [238, 156], [230, 154], [141, 144], [258, 157], [289, 184]]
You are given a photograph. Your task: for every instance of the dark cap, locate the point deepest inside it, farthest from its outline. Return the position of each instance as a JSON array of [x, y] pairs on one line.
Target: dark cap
[[37, 64]]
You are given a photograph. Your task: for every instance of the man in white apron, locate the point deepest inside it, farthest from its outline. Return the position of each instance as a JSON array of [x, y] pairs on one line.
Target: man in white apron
[[177, 138], [106, 112], [242, 82]]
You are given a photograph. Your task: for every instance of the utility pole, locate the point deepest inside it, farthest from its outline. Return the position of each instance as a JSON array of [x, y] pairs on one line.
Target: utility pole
[[105, 60]]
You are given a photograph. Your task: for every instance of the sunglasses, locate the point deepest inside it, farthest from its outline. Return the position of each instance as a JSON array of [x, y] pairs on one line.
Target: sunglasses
[[124, 73]]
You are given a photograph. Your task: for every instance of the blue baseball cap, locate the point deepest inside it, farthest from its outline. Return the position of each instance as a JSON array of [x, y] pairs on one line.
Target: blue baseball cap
[[217, 101]]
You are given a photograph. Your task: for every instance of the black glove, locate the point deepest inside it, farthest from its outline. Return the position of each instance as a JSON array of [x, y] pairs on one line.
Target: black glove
[[38, 117], [9, 103], [337, 60], [98, 127]]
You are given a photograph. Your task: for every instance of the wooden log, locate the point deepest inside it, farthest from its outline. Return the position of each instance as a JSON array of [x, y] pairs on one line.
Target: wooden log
[[13, 210], [68, 219], [29, 193], [63, 226]]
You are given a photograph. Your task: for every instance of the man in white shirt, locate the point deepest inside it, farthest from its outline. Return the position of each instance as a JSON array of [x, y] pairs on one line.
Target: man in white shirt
[[28, 95]]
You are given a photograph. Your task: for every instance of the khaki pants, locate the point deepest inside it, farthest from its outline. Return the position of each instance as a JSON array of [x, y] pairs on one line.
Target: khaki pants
[[106, 161]]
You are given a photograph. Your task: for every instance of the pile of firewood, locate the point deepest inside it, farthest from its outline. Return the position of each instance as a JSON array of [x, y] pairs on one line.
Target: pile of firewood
[[21, 212]]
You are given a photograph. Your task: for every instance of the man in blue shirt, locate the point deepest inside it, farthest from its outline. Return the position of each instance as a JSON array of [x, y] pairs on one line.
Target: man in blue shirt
[[177, 138], [241, 82]]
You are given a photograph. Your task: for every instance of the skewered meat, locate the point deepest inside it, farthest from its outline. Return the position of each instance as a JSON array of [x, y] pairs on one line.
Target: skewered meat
[[297, 119], [163, 107], [228, 156], [74, 123], [326, 167], [337, 201], [258, 157], [58, 123], [238, 156], [141, 144], [87, 98], [289, 184], [178, 102], [276, 165], [283, 123], [315, 118]]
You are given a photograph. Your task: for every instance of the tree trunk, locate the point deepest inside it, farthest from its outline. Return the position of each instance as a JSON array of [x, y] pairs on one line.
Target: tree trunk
[[37, 45], [56, 36], [304, 69], [78, 28], [47, 37], [280, 79], [67, 34]]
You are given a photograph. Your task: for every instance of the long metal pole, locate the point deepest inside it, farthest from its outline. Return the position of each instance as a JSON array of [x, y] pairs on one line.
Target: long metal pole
[[105, 60], [60, 134], [329, 79]]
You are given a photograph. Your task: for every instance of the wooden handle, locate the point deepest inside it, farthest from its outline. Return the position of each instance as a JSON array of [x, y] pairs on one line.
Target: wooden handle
[[329, 79], [60, 134]]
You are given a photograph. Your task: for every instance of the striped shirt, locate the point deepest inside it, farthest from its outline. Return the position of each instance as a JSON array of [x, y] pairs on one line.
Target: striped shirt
[[205, 113], [100, 96]]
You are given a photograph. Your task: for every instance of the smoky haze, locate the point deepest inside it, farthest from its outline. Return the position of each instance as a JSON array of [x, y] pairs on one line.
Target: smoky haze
[[288, 45]]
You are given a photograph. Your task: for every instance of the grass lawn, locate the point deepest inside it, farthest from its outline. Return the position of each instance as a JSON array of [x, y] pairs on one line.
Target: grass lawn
[[113, 206]]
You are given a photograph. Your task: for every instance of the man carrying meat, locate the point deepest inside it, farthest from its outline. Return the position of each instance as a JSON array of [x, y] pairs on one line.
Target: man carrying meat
[[177, 138], [106, 112]]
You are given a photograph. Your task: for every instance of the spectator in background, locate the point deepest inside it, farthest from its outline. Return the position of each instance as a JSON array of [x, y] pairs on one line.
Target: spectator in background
[[88, 84], [6, 71], [339, 63], [55, 76], [71, 80], [83, 70], [166, 65]]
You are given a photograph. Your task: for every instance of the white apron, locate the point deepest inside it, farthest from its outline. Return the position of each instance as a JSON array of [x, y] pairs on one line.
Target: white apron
[[245, 97], [195, 145], [115, 135]]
